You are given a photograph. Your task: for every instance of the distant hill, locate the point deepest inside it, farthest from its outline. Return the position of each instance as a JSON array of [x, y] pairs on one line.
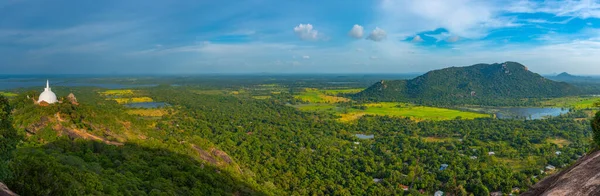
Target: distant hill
[[566, 77], [476, 84]]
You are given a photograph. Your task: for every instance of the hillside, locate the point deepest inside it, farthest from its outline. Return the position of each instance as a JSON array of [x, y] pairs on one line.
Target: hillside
[[581, 178], [566, 77], [480, 83], [97, 148]]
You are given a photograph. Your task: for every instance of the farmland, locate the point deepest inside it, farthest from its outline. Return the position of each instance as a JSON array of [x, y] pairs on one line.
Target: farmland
[[8, 94], [573, 102]]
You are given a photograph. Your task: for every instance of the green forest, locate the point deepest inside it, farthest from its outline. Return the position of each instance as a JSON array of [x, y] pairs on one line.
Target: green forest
[[505, 84], [218, 138]]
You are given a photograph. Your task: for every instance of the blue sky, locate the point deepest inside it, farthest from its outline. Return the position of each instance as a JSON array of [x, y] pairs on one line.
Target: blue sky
[[295, 36]]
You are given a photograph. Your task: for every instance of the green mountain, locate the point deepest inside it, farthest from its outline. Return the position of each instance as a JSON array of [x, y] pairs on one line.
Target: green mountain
[[566, 77], [476, 84]]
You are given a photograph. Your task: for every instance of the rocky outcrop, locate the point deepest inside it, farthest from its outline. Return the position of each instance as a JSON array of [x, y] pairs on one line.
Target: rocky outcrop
[[71, 98], [4, 191], [35, 127], [216, 157], [582, 178]]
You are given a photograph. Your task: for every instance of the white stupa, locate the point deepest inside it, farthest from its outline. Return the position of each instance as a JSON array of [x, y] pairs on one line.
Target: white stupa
[[48, 96]]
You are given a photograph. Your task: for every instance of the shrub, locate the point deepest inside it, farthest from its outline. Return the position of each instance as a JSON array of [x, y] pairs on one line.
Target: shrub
[[596, 128]]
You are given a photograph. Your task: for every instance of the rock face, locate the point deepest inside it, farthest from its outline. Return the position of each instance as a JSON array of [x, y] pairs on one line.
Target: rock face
[[582, 178], [72, 99], [4, 191]]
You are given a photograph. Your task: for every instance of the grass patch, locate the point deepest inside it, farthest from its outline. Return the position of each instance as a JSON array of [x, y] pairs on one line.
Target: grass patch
[[133, 100], [335, 92], [416, 112], [572, 102], [559, 141], [516, 164], [210, 92], [438, 139], [349, 117], [269, 85], [121, 92], [148, 112], [312, 95], [395, 109], [261, 97], [8, 94], [316, 107]]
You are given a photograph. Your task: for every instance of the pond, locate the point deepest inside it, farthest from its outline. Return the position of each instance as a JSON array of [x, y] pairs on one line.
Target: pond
[[363, 136], [529, 113], [147, 105]]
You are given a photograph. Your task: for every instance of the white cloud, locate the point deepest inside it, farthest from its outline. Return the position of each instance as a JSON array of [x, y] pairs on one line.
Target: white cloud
[[356, 31], [377, 34], [359, 50], [444, 37], [306, 57], [306, 32], [417, 38], [465, 18], [373, 57], [573, 8]]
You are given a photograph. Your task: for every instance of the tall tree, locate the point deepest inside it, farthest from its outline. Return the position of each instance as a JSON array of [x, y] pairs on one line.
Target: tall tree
[[8, 136], [596, 128]]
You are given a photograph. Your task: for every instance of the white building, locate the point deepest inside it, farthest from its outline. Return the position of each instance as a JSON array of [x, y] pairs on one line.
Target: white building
[[47, 96]]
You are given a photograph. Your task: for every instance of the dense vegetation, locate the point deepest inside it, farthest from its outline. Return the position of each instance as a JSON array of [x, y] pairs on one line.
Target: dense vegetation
[[596, 128], [53, 159], [312, 154], [79, 167], [484, 84], [8, 137], [270, 148]]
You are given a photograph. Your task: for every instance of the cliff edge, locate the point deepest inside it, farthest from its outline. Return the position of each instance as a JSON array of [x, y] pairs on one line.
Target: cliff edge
[[582, 178], [4, 191]]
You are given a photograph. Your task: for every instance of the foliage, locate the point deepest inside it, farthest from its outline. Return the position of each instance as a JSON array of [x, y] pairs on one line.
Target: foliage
[[8, 94], [310, 153], [596, 128], [8, 137], [78, 167], [276, 149], [148, 112], [485, 84]]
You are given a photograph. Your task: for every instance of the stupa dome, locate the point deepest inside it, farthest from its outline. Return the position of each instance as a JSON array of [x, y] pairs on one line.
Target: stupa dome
[[48, 96]]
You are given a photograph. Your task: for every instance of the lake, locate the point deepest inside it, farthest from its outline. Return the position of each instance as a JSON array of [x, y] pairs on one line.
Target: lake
[[147, 105], [363, 136], [529, 113]]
